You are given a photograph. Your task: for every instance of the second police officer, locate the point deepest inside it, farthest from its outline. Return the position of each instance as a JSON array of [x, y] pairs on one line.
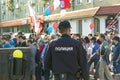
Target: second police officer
[[66, 57]]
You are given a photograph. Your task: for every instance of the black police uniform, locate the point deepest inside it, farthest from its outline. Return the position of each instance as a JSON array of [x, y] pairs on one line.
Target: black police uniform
[[64, 56]]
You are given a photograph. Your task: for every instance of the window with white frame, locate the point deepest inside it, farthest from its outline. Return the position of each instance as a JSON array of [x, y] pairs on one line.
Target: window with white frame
[[88, 1], [78, 2]]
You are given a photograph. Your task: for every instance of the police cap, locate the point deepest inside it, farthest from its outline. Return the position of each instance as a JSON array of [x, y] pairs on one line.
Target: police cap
[[64, 25]]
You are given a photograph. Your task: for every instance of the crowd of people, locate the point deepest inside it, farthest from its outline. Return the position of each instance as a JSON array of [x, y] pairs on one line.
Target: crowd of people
[[59, 55]]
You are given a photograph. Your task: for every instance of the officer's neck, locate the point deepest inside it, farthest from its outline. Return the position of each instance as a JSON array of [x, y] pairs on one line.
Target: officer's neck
[[67, 33]]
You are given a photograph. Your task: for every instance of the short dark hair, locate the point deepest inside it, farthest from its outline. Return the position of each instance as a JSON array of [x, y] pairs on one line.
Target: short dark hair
[[102, 36], [87, 40], [63, 25], [116, 38], [4, 37], [21, 36], [29, 41], [98, 41], [20, 33]]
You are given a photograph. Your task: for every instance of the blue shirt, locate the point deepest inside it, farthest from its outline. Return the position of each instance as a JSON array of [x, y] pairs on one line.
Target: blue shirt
[[7, 45], [94, 49], [12, 43], [116, 52]]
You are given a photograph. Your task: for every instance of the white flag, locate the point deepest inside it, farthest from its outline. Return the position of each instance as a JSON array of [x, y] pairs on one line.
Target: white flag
[[56, 4], [32, 14]]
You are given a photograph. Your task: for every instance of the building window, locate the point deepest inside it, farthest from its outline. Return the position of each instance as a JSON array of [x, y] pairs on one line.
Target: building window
[[100, 0], [6, 29], [97, 25], [88, 1], [78, 2], [24, 28]]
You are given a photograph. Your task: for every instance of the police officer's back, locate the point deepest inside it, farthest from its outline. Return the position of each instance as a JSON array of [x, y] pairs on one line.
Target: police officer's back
[[66, 56]]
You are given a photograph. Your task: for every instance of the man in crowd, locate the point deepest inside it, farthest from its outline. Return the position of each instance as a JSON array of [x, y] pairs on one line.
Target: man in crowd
[[116, 56], [32, 58], [94, 58], [5, 42], [104, 72]]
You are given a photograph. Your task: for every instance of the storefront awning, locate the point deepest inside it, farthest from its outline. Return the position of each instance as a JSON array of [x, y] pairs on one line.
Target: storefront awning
[[73, 14], [14, 22]]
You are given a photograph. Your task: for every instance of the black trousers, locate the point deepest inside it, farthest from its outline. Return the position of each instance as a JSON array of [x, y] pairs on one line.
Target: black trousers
[[38, 72], [65, 76]]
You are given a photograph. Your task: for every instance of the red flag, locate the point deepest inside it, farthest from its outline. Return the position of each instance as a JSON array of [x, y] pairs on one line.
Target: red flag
[[64, 4]]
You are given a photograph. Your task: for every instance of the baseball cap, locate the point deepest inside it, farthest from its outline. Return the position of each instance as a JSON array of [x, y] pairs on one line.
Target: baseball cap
[[64, 25], [116, 38]]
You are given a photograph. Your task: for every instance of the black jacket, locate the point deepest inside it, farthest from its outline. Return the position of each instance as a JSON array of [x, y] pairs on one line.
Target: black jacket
[[66, 55]]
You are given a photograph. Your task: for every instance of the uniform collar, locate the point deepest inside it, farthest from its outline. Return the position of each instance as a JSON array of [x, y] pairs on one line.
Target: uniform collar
[[65, 35]]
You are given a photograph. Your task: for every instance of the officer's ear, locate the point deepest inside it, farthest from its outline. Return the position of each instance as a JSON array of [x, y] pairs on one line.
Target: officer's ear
[[59, 31], [70, 29]]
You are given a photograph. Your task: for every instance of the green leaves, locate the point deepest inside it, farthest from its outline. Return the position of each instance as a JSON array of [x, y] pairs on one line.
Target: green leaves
[[10, 5]]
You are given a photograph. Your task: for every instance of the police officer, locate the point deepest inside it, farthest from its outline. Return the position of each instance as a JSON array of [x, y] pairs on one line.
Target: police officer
[[66, 57]]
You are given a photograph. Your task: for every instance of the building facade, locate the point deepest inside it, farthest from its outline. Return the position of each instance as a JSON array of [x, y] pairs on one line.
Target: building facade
[[18, 9]]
